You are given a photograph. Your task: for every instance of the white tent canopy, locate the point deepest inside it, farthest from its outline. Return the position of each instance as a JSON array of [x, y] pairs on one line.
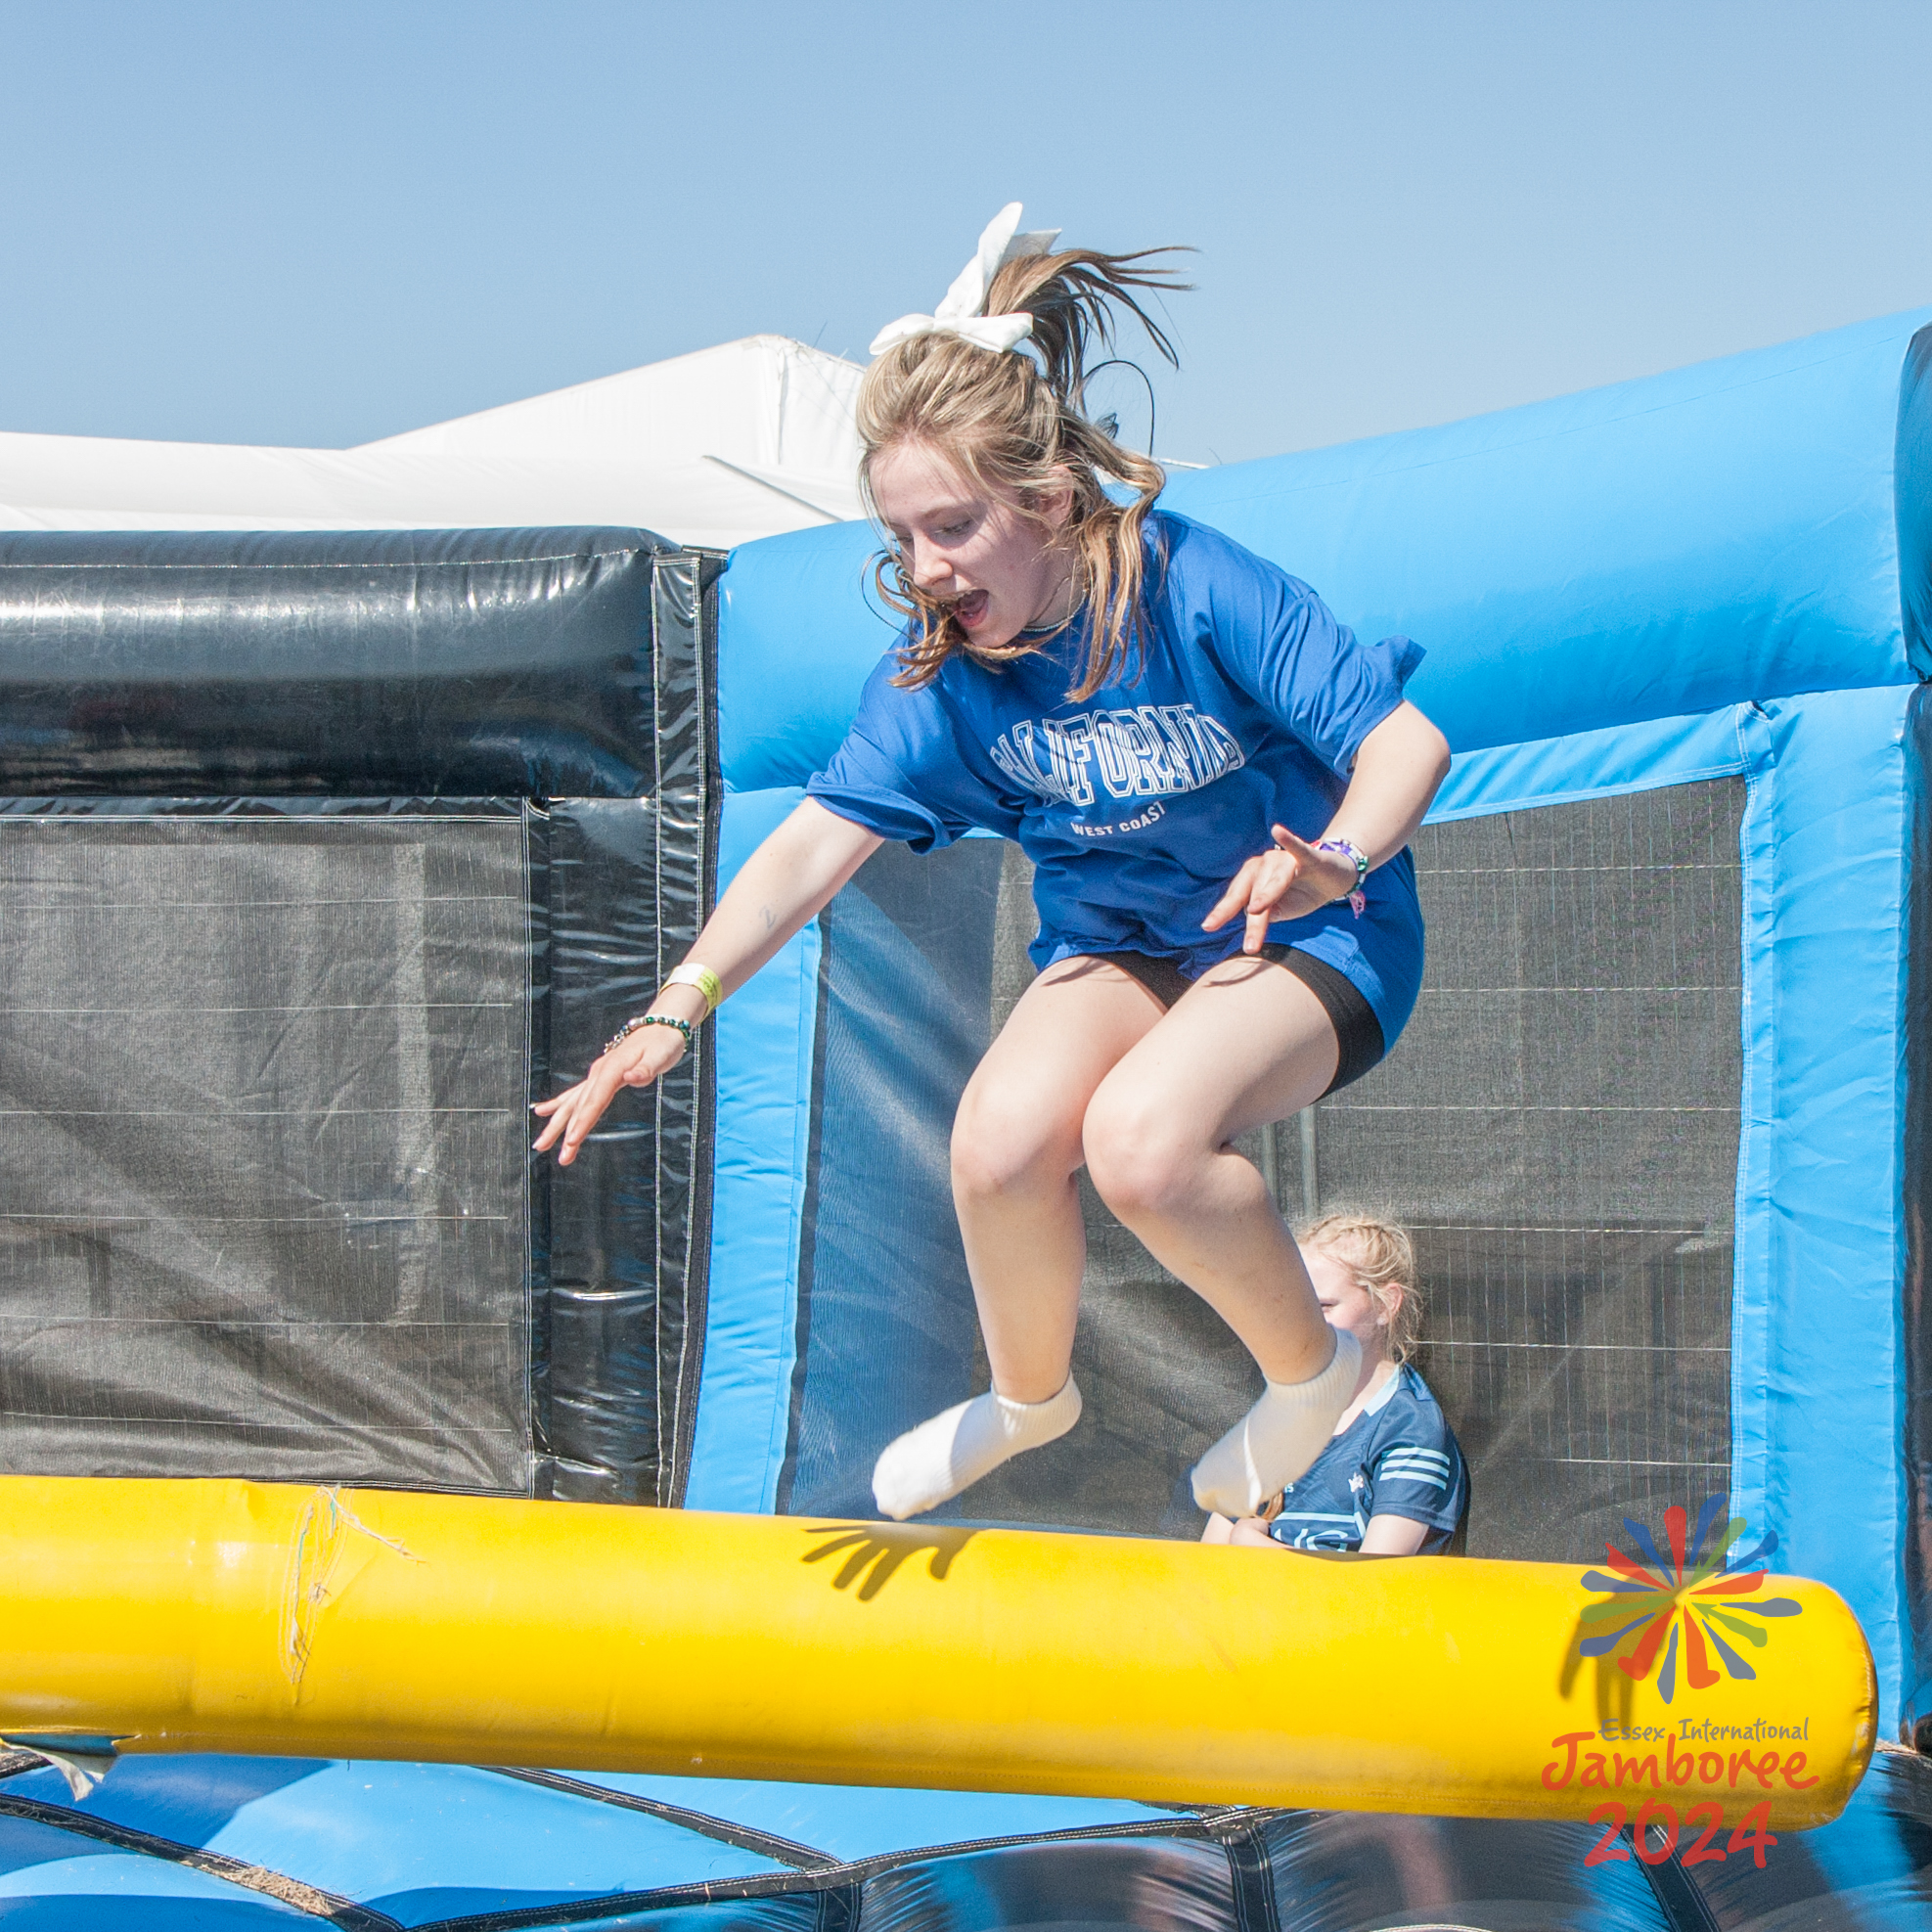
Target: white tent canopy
[[715, 448]]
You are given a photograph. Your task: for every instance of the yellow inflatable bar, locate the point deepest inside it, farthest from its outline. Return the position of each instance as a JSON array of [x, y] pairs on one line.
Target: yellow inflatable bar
[[227, 1616]]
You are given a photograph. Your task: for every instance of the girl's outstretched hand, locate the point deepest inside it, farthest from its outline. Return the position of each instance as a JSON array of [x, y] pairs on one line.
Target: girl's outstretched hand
[[785, 882], [1289, 882], [635, 1061]]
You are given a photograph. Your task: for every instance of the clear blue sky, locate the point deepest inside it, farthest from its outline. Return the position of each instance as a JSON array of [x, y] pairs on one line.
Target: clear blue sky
[[321, 223]]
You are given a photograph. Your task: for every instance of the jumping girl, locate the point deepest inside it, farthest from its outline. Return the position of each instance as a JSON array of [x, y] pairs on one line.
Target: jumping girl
[[1216, 784]]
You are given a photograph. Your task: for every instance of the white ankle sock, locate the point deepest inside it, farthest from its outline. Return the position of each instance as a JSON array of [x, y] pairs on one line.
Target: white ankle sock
[[940, 1458], [1277, 1442]]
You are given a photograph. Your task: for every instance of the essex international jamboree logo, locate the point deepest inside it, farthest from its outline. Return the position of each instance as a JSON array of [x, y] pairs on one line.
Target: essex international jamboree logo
[[1670, 1611], [1698, 1594]]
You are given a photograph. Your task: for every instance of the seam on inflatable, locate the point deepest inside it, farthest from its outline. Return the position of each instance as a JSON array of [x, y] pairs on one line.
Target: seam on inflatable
[[277, 1885], [1678, 1899], [785, 1397], [537, 1248], [1251, 1876], [1750, 1342], [846, 1878], [694, 1314], [1905, 1476], [1916, 1546], [811, 1061], [748, 1838]]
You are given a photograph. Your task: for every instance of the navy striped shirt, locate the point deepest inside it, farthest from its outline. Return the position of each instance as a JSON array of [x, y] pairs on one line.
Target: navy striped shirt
[[1397, 1458]]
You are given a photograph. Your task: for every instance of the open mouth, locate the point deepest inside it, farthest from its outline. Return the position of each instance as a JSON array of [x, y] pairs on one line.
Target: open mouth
[[970, 609]]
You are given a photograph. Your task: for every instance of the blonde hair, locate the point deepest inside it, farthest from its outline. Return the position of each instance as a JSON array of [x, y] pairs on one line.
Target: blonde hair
[[1016, 426], [1380, 1256]]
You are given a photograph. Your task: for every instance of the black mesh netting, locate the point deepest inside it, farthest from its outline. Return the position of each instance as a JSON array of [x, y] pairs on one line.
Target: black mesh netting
[[266, 1209], [1558, 1128]]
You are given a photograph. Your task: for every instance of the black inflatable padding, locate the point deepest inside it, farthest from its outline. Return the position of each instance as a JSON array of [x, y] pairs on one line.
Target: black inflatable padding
[[321, 857], [468, 662]]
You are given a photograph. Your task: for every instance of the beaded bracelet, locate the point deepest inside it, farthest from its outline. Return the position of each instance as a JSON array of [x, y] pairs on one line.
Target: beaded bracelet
[[1357, 899], [630, 1027]]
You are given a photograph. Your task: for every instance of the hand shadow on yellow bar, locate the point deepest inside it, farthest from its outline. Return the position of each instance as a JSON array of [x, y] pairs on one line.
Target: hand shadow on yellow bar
[[875, 1551]]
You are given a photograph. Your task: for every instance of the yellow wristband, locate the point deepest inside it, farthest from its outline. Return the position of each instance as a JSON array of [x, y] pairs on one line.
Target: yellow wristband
[[704, 978]]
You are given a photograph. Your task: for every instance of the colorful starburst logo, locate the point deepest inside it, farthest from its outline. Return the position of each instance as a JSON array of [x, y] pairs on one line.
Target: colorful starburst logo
[[1699, 1591]]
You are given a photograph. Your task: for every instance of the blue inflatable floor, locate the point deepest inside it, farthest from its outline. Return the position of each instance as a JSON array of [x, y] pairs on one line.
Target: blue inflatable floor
[[168, 1844]]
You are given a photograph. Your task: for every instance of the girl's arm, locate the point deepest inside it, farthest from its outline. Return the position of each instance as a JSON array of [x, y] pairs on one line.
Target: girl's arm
[[1385, 1535], [1251, 1531], [1397, 772], [789, 879], [1393, 1535]]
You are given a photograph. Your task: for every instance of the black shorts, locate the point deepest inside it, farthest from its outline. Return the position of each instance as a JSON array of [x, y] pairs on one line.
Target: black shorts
[[1358, 1032]]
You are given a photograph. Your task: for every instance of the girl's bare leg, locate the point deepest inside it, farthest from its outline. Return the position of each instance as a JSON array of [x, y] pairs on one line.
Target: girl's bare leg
[[1016, 1147], [1248, 1043], [1089, 1070]]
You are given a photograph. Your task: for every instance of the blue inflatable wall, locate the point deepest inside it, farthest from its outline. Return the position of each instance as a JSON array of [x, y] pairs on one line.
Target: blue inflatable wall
[[1722, 572]]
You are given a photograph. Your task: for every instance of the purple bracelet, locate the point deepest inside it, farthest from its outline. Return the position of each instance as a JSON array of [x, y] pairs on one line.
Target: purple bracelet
[[1357, 899]]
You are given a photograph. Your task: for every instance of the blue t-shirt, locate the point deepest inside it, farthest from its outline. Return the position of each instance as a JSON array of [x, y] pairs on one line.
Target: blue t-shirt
[[1242, 706], [1397, 1458]]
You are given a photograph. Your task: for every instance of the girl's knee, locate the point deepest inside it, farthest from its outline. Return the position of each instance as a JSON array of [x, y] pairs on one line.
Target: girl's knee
[[1140, 1162], [1001, 1146]]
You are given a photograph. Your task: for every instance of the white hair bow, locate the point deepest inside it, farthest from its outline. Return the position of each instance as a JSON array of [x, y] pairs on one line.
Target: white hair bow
[[963, 310]]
